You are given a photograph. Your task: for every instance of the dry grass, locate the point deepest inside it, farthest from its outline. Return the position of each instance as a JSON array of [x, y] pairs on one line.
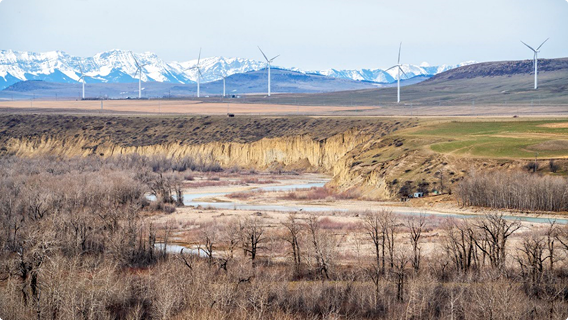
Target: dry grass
[[172, 106]]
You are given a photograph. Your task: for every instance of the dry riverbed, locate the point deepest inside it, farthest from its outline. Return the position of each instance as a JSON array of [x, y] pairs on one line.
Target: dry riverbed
[[221, 206]]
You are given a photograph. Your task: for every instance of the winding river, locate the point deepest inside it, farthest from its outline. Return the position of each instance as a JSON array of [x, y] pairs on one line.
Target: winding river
[[200, 200]]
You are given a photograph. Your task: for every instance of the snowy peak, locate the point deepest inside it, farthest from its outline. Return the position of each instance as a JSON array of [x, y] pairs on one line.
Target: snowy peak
[[119, 66]]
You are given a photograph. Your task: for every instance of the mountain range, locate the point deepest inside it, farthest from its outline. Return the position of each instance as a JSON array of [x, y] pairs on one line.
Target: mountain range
[[119, 66]]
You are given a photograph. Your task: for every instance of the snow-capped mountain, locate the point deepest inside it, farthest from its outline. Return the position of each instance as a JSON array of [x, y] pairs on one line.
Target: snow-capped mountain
[[119, 66], [382, 76]]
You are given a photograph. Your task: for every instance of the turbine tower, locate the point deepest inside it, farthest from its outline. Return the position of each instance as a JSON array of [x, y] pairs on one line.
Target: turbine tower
[[269, 62], [224, 75], [399, 67], [82, 79], [535, 62], [199, 74], [138, 68]]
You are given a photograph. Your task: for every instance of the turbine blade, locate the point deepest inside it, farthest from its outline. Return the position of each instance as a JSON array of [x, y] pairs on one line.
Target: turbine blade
[[391, 68], [135, 61], [528, 46], [265, 57], [81, 68], [199, 57], [405, 75], [542, 44], [274, 58], [399, 49]]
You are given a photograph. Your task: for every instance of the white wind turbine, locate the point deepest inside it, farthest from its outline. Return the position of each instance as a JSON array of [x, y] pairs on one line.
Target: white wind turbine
[[399, 67], [82, 79], [224, 75], [269, 62], [535, 62], [199, 74], [138, 69]]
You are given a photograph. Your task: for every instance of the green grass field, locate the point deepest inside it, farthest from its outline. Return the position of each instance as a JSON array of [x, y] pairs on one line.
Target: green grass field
[[497, 139]]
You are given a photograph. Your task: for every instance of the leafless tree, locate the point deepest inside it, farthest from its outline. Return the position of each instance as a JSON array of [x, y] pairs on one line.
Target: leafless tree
[[252, 234], [399, 271], [209, 239], [294, 228], [495, 231], [531, 256], [514, 190], [322, 246], [459, 243], [416, 227]]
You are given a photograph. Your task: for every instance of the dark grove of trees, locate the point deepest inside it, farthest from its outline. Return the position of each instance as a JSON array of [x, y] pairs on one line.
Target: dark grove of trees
[[76, 243], [514, 190]]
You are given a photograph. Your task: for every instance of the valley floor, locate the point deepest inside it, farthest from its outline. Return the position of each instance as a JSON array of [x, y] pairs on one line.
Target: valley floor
[[226, 199]]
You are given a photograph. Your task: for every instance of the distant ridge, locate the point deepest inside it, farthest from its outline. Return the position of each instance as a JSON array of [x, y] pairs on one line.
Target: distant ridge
[[502, 68], [505, 83], [117, 66]]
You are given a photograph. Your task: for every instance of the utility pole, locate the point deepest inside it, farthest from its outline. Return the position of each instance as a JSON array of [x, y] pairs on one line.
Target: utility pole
[[101, 106], [535, 163]]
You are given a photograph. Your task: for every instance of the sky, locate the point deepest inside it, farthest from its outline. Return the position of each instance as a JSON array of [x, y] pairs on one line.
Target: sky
[[308, 34]]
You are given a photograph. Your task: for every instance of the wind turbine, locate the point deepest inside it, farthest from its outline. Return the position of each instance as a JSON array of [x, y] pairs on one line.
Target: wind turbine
[[82, 79], [199, 74], [224, 75], [535, 62], [138, 68], [269, 62], [399, 67]]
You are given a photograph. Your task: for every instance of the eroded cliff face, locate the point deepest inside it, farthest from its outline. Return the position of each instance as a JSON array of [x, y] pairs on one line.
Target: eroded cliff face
[[302, 151], [327, 145]]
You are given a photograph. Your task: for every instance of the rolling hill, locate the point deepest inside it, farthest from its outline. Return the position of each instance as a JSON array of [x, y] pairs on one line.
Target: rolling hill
[[489, 83]]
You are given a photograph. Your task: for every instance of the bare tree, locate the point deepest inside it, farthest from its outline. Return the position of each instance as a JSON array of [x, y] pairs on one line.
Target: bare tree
[[373, 228], [514, 190], [459, 244], [495, 230], [294, 229], [389, 226], [399, 265], [416, 227], [551, 233], [322, 246], [209, 239], [531, 256], [252, 235]]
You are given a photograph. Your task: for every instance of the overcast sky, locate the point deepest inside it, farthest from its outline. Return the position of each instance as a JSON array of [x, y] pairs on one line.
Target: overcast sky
[[309, 34]]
